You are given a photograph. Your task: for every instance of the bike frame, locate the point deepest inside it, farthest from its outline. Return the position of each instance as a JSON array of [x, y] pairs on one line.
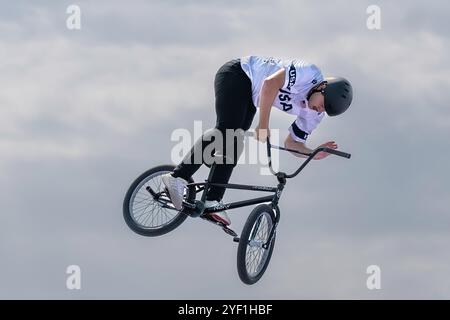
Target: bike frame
[[204, 186], [197, 209], [281, 176]]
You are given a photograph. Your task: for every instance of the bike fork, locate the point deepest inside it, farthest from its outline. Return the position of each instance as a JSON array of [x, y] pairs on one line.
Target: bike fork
[[274, 228]]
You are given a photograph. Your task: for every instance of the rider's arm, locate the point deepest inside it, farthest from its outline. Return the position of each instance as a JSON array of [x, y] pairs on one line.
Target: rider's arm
[[296, 145], [269, 91], [290, 143]]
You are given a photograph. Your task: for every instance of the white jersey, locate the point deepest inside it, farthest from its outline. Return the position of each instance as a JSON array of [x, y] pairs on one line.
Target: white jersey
[[300, 78]]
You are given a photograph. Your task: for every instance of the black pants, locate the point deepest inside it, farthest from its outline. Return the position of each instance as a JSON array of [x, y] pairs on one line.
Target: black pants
[[234, 110]]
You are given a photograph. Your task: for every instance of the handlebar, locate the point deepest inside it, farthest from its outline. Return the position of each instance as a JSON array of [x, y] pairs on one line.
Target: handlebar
[[310, 156], [324, 149]]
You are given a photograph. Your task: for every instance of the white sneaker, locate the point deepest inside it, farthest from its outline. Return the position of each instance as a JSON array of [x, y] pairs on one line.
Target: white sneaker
[[176, 189], [220, 216]]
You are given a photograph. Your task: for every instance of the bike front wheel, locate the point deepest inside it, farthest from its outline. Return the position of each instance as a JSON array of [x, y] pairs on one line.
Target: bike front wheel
[[147, 208], [252, 257]]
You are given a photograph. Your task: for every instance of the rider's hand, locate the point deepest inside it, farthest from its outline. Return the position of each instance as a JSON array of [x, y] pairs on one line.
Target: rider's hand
[[261, 134], [329, 144]]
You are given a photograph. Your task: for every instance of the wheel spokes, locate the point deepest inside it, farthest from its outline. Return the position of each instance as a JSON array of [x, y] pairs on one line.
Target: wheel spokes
[[256, 255], [147, 211]]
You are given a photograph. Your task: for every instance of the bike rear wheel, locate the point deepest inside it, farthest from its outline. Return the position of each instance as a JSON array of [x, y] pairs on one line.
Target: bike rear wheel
[[252, 258], [150, 215]]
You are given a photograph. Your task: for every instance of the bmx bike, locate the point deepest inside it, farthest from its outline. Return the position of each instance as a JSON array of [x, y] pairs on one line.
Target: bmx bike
[[148, 211]]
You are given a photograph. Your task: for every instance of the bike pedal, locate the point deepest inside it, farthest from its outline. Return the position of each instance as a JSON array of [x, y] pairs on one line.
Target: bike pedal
[[236, 239], [229, 231]]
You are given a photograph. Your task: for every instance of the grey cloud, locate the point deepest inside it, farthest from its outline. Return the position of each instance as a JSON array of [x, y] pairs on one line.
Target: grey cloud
[[84, 113]]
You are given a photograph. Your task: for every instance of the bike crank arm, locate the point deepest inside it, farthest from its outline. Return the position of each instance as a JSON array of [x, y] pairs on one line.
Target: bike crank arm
[[224, 227]]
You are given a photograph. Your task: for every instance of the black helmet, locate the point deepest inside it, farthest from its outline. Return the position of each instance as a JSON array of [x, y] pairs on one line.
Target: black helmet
[[338, 95]]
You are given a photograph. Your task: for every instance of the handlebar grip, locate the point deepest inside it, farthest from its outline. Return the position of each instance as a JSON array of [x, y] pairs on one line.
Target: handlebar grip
[[338, 153]]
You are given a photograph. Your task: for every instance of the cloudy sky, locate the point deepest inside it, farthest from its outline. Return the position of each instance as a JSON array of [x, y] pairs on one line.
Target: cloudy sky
[[84, 112]]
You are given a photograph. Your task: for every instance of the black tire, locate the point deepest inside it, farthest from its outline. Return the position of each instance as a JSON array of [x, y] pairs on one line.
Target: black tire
[[249, 232], [148, 200]]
